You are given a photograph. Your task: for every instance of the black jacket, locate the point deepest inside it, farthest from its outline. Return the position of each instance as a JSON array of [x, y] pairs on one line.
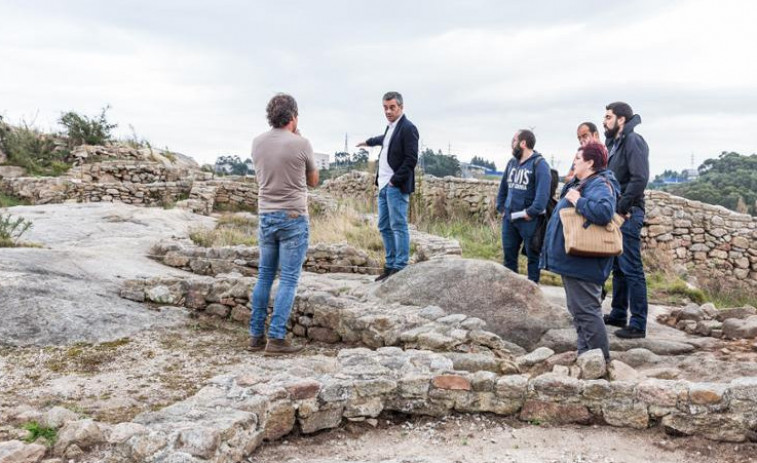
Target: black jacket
[[403, 154], [630, 164]]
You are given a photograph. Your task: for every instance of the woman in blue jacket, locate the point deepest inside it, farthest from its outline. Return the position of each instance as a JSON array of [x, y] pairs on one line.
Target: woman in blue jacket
[[594, 193]]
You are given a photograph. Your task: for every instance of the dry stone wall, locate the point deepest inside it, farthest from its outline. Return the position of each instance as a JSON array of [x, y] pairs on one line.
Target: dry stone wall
[[706, 241]]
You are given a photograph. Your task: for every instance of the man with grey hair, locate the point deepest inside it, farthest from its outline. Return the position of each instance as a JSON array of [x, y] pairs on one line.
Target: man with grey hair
[[395, 180], [284, 166]]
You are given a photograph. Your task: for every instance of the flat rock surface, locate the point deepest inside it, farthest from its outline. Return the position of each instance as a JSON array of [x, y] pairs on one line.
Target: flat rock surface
[[67, 291]]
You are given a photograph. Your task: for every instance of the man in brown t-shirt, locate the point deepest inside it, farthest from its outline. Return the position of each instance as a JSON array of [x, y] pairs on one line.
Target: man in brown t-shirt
[[284, 166]]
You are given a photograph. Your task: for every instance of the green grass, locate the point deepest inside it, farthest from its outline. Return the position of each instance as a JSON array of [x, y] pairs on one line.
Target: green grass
[[37, 430], [10, 201]]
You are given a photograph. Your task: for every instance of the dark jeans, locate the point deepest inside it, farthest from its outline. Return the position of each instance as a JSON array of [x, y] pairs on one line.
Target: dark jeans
[[392, 222], [517, 233], [283, 242], [629, 285], [584, 303]]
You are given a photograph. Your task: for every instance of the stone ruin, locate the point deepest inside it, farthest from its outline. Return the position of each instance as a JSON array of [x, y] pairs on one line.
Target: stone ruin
[[446, 335]]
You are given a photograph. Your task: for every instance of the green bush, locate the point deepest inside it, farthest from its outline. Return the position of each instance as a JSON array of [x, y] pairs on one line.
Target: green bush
[[37, 430], [28, 147], [82, 130], [11, 229]]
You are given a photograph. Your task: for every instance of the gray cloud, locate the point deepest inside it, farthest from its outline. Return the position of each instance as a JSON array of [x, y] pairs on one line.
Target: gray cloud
[[196, 77]]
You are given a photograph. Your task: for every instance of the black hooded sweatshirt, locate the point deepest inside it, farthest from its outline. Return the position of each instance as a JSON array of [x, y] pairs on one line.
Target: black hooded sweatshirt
[[630, 164]]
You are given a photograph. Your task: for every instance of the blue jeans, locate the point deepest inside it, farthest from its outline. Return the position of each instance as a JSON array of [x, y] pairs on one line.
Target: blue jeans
[[392, 223], [517, 233], [629, 285], [283, 241]]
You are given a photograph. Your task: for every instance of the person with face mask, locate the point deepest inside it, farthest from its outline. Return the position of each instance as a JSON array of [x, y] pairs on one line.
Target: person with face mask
[[522, 198]]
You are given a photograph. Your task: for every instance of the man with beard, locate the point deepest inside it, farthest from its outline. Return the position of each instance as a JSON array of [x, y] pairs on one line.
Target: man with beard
[[522, 198], [629, 161]]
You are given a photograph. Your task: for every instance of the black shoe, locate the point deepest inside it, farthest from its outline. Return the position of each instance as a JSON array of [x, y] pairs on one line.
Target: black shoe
[[630, 333], [610, 321], [385, 274]]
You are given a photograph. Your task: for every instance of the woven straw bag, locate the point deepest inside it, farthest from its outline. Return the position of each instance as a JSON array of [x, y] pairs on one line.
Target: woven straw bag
[[586, 239]]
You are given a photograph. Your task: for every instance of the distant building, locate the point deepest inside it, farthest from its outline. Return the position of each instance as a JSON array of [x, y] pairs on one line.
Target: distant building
[[321, 160], [691, 174], [468, 170]]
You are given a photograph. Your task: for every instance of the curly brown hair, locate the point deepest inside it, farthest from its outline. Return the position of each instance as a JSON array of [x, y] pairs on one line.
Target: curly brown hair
[[280, 110]]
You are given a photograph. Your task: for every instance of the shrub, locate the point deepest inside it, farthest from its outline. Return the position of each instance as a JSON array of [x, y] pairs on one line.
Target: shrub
[[82, 130], [28, 147], [11, 229], [37, 430]]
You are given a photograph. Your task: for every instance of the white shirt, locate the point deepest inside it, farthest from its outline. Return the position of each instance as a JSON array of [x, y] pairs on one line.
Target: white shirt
[[385, 171]]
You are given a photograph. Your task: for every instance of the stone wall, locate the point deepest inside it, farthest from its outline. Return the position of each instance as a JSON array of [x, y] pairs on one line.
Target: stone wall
[[706, 241], [320, 258], [711, 242], [472, 371]]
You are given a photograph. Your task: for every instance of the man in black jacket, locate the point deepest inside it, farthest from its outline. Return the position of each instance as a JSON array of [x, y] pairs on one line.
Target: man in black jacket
[[395, 180], [629, 161]]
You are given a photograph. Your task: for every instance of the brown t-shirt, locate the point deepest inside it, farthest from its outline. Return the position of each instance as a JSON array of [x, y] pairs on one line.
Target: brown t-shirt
[[281, 159]]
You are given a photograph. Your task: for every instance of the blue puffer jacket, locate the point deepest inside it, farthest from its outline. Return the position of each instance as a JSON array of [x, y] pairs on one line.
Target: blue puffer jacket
[[599, 196]]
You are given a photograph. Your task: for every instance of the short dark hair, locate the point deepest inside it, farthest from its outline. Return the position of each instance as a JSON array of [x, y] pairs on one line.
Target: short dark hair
[[590, 125], [281, 110], [621, 109], [393, 96], [596, 152], [527, 136]]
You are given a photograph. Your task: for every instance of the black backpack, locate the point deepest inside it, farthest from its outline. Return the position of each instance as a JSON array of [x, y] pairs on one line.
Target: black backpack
[[537, 240]]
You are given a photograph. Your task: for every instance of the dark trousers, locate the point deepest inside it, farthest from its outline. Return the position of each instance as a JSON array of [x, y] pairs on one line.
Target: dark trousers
[[585, 305], [517, 233], [629, 285]]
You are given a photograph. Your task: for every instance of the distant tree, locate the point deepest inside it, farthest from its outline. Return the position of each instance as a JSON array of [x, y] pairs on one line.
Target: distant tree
[[232, 165], [479, 161], [439, 164], [729, 180], [360, 159], [342, 159]]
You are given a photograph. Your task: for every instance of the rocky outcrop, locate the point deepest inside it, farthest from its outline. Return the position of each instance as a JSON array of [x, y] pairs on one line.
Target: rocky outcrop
[[706, 320], [512, 306]]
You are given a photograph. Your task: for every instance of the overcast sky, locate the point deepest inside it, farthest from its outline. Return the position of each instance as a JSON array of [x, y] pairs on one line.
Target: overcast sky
[[195, 76]]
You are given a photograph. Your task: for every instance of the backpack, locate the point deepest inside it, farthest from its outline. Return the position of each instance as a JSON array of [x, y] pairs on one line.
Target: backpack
[[537, 240]]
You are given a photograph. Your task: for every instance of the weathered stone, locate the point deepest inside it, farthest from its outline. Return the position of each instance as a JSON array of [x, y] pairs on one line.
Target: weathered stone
[[512, 386], [619, 371], [712, 426], [592, 364], [83, 433], [555, 413], [56, 417], [122, 432], [739, 312], [734, 328], [200, 441], [663, 393], [706, 393], [280, 420], [324, 418], [321, 334], [14, 451], [537, 356], [472, 287], [452, 382], [625, 414], [305, 389]]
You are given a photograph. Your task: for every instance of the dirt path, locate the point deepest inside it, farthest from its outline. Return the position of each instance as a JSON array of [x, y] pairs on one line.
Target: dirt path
[[492, 439]]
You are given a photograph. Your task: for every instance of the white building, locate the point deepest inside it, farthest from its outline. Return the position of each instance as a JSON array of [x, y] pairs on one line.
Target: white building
[[321, 160]]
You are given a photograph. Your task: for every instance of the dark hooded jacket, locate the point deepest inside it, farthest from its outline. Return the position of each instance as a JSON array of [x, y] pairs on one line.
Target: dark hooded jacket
[[630, 164], [597, 204]]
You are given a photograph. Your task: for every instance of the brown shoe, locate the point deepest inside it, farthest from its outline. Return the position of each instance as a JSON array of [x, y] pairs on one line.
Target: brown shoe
[[257, 343], [280, 347]]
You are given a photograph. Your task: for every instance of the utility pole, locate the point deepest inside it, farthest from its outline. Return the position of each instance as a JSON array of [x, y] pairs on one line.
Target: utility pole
[[345, 142]]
